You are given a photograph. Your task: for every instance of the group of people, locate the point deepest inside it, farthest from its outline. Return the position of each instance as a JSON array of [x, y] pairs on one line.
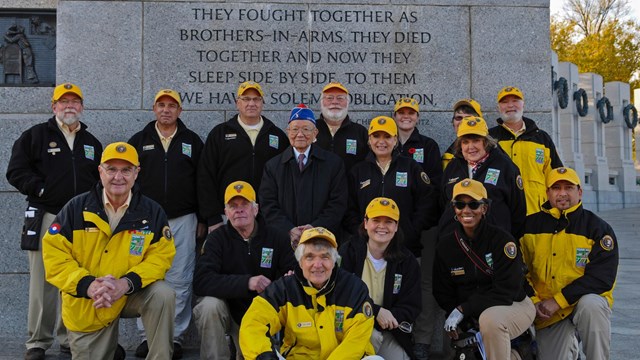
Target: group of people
[[328, 240]]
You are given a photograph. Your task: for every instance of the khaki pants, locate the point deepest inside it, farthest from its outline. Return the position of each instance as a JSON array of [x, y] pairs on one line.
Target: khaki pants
[[214, 321], [386, 346], [591, 318], [155, 304], [500, 324], [44, 300]]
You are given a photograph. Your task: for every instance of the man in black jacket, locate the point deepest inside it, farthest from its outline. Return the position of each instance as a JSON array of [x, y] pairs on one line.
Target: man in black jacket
[[239, 260], [51, 163], [169, 155], [237, 150], [305, 186]]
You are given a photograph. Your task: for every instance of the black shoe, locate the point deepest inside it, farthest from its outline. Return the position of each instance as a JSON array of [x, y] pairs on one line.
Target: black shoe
[[65, 349], [34, 354], [177, 351], [421, 351], [120, 353], [142, 350]]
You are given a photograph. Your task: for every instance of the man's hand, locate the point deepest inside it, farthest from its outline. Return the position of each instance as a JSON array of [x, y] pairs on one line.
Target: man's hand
[[546, 308], [213, 227], [258, 283], [201, 231], [386, 320], [106, 290], [294, 237]]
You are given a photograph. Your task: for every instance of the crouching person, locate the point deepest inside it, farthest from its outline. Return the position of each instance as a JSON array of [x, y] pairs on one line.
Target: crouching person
[[324, 311], [108, 251], [239, 260]]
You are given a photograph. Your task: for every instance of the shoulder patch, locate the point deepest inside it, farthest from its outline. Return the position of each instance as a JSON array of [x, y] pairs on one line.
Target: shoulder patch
[[367, 309], [425, 178], [607, 242], [519, 182], [166, 232], [54, 228], [510, 250]]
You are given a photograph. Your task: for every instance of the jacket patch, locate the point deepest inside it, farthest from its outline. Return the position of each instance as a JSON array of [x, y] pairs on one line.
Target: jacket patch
[[367, 309], [488, 258], [339, 321], [230, 136], [397, 283], [492, 176], [510, 250], [457, 271], [305, 324], [166, 232], [54, 228], [582, 254], [402, 179], [540, 156], [351, 146], [89, 152], [519, 182], [425, 178], [148, 147], [364, 184], [137, 244], [274, 141], [186, 149], [267, 258], [418, 155], [607, 242], [453, 180]]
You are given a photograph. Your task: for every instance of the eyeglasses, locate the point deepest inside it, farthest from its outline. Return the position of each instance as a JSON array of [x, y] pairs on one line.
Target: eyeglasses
[[335, 97], [66, 102], [112, 171], [473, 205], [304, 130], [255, 99], [405, 327]]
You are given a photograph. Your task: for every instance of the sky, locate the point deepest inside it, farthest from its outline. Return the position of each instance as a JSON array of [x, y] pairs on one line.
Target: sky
[[556, 7]]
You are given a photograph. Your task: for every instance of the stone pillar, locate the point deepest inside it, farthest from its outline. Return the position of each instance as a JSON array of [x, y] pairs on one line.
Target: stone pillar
[[636, 96], [569, 134], [593, 141], [618, 138]]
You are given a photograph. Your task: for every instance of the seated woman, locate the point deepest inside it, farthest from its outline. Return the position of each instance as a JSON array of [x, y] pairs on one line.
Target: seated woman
[[392, 275], [478, 275]]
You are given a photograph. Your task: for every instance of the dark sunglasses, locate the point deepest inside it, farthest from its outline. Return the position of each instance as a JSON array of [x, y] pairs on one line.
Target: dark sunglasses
[[473, 205]]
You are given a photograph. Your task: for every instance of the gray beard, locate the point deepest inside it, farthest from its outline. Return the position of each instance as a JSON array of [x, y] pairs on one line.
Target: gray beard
[[70, 119]]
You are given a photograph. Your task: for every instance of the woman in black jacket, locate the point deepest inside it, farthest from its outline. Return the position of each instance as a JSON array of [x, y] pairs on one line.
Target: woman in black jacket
[[392, 275], [478, 275]]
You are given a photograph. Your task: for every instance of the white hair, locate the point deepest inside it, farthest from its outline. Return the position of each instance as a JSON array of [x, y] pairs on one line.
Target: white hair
[[319, 245]]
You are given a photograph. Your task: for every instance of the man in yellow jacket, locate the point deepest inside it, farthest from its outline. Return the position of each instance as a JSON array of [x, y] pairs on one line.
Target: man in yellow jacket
[[572, 260], [325, 311], [107, 251]]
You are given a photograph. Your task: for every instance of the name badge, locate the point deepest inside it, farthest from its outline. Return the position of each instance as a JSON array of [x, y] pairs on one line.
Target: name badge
[[148, 147], [230, 136]]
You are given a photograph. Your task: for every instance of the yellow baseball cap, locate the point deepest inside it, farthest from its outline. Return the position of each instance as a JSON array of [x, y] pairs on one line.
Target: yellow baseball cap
[[562, 173], [239, 188], [170, 93], [382, 206], [122, 151], [470, 187], [510, 90], [408, 103], [473, 125], [318, 233], [65, 88], [469, 102], [249, 85], [383, 123], [335, 85]]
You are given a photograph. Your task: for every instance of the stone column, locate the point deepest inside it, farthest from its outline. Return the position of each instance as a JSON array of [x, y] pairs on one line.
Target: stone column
[[593, 141], [618, 139], [570, 138], [636, 96]]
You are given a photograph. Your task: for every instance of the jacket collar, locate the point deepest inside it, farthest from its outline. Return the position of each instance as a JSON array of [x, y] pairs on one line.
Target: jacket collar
[[314, 152]]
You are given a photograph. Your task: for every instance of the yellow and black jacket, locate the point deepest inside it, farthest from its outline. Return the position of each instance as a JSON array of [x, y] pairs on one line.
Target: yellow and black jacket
[[568, 254], [334, 322], [79, 247], [535, 155]]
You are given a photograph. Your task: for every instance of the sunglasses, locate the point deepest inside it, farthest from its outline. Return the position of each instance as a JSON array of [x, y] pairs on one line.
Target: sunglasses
[[473, 205]]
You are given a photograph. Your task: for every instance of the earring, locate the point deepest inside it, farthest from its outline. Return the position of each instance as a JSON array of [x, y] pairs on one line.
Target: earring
[[455, 217]]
